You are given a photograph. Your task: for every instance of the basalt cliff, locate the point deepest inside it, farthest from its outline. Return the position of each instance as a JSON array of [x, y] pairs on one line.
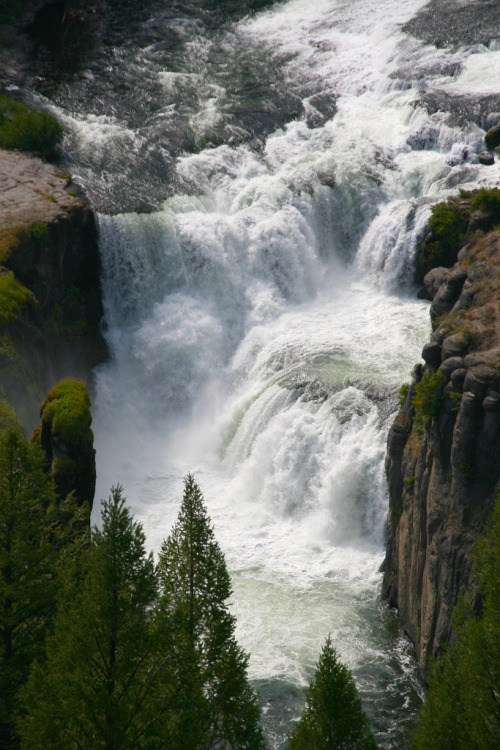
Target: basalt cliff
[[443, 459]]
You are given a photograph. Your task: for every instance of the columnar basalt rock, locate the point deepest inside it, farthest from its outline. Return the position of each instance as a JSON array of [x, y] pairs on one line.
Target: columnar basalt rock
[[444, 471]]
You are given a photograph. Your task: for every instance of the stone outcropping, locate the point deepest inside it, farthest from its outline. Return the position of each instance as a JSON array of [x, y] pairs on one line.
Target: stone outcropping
[[66, 438], [443, 460], [50, 301]]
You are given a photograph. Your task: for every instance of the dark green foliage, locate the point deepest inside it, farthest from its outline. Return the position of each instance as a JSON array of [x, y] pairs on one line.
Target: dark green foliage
[[462, 705], [36, 535], [487, 200], [428, 396], [447, 226], [39, 231], [333, 718], [28, 130], [196, 587], [10, 9], [403, 393], [103, 684]]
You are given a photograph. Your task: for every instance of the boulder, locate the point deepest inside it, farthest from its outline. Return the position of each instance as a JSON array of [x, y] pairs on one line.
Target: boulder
[[486, 158], [492, 137]]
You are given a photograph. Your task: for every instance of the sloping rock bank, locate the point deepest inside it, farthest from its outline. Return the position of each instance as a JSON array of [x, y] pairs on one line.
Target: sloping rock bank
[[50, 302], [443, 460]]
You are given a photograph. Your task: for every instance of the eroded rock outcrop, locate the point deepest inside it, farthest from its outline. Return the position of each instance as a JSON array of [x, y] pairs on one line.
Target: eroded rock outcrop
[[67, 440], [443, 460], [50, 302]]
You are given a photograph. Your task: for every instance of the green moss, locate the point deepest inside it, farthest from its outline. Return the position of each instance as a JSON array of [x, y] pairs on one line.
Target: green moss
[[28, 130], [13, 296], [67, 409], [410, 481], [428, 396], [39, 231], [10, 238]]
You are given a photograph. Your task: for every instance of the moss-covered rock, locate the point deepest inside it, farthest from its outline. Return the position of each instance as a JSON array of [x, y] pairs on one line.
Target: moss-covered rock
[[67, 440], [492, 137], [28, 130]]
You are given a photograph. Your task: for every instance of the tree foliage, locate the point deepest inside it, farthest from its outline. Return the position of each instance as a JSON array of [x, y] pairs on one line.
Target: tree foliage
[[333, 718], [103, 684], [36, 536], [195, 592], [462, 704]]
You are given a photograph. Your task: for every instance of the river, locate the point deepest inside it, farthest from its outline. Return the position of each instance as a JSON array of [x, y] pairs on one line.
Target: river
[[262, 174]]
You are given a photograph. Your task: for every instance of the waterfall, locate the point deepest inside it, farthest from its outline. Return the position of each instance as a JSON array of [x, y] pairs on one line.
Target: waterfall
[[262, 183]]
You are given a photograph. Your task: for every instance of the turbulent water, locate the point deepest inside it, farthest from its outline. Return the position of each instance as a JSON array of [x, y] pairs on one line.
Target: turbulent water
[[262, 177]]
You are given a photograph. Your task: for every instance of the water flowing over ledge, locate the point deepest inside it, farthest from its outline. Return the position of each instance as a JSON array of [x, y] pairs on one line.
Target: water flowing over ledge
[[261, 313]]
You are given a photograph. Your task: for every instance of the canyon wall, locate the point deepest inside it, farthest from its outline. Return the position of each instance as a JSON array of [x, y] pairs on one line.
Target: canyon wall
[[443, 459], [50, 301]]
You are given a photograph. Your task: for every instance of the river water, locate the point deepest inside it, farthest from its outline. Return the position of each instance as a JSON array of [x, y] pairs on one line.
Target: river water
[[262, 176]]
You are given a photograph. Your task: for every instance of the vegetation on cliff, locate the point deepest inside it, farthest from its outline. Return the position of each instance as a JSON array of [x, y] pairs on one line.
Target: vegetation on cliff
[[66, 437], [462, 705], [28, 130]]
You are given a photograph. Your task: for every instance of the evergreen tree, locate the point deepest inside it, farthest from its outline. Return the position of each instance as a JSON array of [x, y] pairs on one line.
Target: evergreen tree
[[211, 665], [105, 680], [35, 534], [462, 704], [333, 718]]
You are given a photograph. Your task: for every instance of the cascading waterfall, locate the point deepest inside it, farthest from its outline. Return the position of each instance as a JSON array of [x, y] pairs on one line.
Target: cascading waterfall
[[262, 315]]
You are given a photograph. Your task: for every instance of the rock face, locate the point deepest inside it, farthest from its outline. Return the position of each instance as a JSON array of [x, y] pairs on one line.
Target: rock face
[[67, 440], [443, 459], [50, 302]]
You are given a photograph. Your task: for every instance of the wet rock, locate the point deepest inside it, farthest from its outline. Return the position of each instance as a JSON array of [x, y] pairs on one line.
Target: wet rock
[[486, 158], [492, 137]]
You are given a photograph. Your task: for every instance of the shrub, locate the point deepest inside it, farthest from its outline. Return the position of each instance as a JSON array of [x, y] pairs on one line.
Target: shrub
[[447, 225], [28, 130], [403, 393], [428, 396], [486, 200]]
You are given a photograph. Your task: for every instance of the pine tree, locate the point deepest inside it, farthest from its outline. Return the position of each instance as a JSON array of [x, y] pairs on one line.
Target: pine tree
[[333, 718], [213, 668], [35, 535], [105, 680]]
